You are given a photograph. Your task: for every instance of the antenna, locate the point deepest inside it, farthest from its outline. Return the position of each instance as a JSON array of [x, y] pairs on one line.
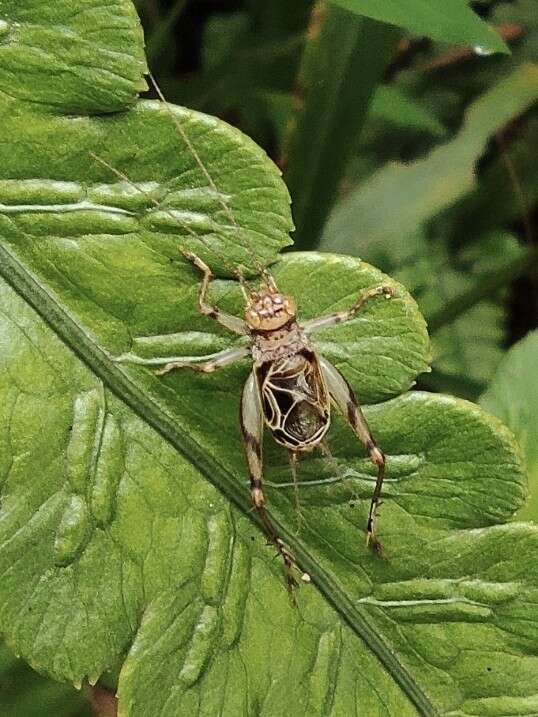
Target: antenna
[[192, 149], [121, 175]]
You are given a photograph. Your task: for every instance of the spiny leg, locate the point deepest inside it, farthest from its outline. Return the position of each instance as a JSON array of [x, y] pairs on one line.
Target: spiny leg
[[252, 430], [206, 364], [344, 398], [339, 317], [232, 323], [219, 360]]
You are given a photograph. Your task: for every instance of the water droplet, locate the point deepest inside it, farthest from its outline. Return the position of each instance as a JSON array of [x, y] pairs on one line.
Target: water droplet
[[482, 51]]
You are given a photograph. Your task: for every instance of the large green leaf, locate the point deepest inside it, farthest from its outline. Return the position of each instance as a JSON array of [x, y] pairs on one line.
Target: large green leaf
[[69, 192], [104, 525], [513, 396], [127, 541], [48, 54], [447, 22]]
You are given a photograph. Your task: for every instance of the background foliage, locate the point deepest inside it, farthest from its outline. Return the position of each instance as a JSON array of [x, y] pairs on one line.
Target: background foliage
[[403, 141]]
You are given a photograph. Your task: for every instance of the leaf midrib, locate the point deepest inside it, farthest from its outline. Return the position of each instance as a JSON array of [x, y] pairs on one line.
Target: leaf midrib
[[113, 376]]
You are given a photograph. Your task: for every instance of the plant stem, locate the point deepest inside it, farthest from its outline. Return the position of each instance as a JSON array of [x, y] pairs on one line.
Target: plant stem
[[341, 70]]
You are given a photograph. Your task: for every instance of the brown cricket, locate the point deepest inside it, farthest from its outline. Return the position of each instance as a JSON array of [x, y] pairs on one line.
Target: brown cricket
[[290, 388]]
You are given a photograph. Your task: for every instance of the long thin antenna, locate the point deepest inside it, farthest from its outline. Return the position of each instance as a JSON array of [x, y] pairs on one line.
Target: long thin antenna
[[192, 149], [158, 205]]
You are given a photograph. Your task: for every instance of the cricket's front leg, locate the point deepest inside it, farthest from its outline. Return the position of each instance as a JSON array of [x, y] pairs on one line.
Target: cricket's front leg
[[205, 364], [252, 431], [344, 398], [232, 323], [339, 317]]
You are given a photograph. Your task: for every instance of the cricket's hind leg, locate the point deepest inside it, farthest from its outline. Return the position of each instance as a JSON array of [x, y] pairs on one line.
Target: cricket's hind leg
[[252, 430], [344, 398]]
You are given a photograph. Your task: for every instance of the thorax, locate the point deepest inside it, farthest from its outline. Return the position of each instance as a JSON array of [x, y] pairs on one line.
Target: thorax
[[278, 344]]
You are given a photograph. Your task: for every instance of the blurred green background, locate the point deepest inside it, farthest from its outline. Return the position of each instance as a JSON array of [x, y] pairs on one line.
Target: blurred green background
[[417, 156]]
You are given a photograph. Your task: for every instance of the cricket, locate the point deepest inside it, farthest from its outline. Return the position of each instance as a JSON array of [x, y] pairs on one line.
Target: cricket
[[291, 388]]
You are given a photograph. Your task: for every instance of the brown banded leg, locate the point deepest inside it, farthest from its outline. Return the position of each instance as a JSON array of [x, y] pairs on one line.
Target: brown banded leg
[[252, 430], [344, 398], [232, 323], [339, 317]]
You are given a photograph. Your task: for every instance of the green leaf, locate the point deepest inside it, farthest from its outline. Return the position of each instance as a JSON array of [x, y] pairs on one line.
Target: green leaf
[[447, 22], [393, 106], [171, 550], [24, 693], [245, 221], [118, 550], [513, 397], [127, 539], [399, 198], [51, 49]]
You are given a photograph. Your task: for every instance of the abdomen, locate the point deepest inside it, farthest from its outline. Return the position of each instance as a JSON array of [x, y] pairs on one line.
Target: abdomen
[[295, 400]]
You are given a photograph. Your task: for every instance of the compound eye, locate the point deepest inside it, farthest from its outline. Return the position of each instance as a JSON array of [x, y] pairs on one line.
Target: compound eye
[[290, 306], [253, 318]]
